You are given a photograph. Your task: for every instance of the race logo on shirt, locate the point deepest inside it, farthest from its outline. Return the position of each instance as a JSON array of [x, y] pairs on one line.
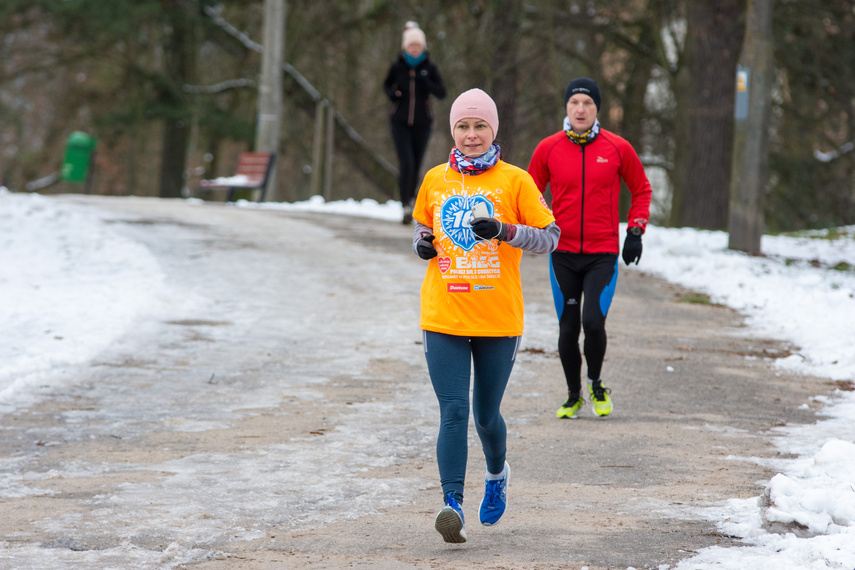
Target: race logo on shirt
[[456, 213]]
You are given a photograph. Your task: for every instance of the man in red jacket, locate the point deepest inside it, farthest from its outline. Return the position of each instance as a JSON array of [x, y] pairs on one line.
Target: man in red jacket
[[583, 164]]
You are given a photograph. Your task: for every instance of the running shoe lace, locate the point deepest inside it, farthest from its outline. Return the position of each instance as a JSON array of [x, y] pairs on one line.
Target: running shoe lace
[[451, 501], [493, 491], [600, 392], [571, 401]]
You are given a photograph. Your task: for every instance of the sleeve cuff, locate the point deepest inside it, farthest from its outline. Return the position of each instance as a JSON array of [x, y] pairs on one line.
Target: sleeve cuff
[[512, 232]]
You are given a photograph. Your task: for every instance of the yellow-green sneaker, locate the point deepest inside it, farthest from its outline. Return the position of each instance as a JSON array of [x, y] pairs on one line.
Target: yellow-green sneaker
[[600, 399], [570, 408]]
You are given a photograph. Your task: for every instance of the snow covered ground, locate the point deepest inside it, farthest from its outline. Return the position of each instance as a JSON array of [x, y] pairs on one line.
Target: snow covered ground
[[56, 259]]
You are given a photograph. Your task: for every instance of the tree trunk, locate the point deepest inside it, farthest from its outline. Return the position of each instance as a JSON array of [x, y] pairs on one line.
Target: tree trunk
[[507, 23], [632, 126], [751, 141], [175, 137], [269, 124], [705, 127], [176, 128]]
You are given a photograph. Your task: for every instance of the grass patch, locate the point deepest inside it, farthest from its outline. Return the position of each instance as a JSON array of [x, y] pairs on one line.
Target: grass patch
[[696, 298], [830, 234], [842, 266]]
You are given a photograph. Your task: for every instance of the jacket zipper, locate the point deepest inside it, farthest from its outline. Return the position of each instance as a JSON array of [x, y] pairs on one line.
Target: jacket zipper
[[582, 213], [412, 116]]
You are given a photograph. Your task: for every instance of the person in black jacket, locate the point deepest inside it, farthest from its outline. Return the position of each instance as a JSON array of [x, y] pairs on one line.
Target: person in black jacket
[[411, 80]]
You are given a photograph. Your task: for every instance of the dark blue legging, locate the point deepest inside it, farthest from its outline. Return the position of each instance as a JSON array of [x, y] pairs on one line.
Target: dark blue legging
[[449, 360]]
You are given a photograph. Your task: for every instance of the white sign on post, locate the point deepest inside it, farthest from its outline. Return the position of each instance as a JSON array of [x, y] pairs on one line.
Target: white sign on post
[[743, 78]]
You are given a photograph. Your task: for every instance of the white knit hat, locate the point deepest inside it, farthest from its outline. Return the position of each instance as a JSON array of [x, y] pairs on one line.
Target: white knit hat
[[413, 34]]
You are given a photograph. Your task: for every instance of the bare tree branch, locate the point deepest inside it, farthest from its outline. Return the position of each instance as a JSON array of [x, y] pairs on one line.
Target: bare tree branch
[[219, 87]]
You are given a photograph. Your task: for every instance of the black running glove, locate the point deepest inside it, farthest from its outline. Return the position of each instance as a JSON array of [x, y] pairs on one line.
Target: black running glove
[[425, 248], [489, 228], [631, 248]]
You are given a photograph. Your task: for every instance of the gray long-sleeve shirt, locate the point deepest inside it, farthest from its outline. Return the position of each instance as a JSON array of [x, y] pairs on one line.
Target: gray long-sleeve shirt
[[528, 238]]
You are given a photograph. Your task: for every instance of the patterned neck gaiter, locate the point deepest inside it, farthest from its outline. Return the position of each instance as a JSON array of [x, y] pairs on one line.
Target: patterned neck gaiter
[[474, 165], [583, 138]]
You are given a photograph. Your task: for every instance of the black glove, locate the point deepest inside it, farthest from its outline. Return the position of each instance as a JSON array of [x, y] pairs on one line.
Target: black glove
[[489, 228], [425, 248], [631, 248]]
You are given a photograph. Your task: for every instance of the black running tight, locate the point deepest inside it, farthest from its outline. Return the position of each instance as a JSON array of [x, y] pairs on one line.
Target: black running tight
[[410, 144], [591, 277]]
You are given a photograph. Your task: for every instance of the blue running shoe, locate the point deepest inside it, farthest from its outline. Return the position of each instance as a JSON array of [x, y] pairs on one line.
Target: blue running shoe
[[495, 499], [449, 521]]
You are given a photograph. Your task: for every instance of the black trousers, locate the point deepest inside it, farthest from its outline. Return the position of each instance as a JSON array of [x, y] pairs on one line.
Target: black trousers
[[574, 276], [410, 144]]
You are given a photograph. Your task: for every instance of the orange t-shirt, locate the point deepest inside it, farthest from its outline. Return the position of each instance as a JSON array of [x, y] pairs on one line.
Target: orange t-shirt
[[473, 288]]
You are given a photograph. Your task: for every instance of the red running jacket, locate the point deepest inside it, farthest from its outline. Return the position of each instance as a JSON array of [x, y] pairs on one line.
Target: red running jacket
[[585, 186]]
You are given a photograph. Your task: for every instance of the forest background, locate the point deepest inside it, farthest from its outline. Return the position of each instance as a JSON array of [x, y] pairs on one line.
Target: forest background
[[170, 90]]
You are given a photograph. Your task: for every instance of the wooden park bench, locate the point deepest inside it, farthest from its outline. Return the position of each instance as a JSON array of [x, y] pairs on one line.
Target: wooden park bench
[[252, 173]]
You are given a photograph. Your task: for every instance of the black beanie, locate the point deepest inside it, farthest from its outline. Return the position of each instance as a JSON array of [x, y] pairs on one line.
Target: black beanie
[[586, 86]]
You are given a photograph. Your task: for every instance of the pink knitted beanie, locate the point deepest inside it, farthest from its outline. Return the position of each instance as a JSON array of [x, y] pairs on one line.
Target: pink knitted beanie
[[475, 104]]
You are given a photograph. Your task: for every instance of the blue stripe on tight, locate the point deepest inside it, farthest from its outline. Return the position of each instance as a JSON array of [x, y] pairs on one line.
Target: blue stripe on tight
[[557, 296], [609, 292]]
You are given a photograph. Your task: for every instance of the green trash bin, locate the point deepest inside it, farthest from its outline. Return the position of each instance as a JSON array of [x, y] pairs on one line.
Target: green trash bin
[[78, 155]]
